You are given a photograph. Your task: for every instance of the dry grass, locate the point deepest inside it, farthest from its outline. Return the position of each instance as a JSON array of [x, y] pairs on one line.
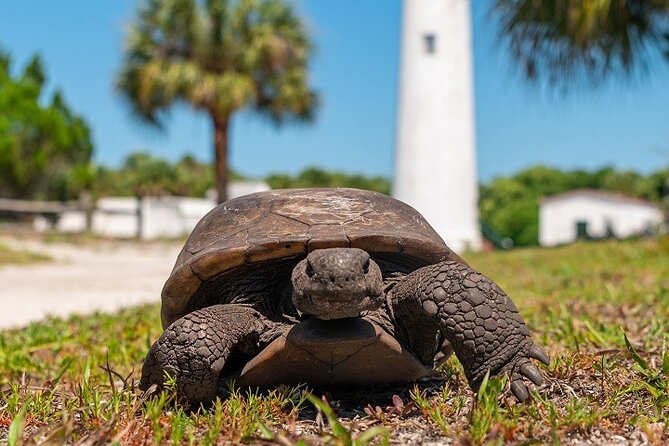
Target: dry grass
[[601, 309], [12, 256]]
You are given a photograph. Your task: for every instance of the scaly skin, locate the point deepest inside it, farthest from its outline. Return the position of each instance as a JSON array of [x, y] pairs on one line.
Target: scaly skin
[[476, 317], [195, 348]]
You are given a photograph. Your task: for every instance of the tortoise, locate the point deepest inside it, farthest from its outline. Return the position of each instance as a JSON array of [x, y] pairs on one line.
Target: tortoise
[[329, 286]]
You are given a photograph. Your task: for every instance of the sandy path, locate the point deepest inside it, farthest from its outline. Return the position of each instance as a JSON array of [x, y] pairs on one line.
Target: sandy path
[[103, 276]]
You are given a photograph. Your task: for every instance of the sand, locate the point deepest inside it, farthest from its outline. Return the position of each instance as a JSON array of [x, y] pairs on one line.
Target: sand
[[100, 276]]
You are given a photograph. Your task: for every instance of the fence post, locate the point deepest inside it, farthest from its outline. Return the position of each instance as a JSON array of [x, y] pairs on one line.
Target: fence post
[[140, 216], [87, 205]]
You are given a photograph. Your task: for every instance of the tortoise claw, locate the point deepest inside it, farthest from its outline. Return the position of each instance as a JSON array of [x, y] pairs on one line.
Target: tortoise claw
[[539, 354], [519, 390], [531, 372]]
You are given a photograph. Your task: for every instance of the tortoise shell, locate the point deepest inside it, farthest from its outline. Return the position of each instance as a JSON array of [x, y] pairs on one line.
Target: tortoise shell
[[289, 223]]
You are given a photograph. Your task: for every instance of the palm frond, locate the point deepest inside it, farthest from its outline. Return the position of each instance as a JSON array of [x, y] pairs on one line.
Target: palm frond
[[564, 41], [218, 56]]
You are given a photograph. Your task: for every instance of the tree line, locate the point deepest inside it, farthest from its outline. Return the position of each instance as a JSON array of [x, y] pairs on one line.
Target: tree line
[[509, 205], [143, 174]]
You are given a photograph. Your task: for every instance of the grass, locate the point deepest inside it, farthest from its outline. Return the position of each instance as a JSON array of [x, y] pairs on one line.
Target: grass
[[601, 310], [12, 256]]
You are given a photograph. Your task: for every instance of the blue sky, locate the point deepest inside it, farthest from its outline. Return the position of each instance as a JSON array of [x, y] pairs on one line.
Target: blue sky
[[623, 123]]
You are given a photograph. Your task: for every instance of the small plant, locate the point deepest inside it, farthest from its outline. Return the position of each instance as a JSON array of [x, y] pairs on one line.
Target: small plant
[[438, 410], [398, 409], [655, 382], [16, 428], [344, 437], [487, 412]]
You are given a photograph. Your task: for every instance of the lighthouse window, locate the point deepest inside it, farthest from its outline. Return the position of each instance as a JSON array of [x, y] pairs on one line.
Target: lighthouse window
[[430, 43]]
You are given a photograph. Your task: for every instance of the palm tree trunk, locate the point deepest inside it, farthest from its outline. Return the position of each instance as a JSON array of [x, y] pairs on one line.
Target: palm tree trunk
[[221, 123]]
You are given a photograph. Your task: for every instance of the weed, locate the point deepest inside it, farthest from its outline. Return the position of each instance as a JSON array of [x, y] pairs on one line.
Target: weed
[[487, 412], [654, 381], [16, 428], [341, 436]]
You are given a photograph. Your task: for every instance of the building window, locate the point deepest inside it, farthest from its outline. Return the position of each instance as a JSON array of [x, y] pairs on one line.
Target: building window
[[582, 230], [430, 43]]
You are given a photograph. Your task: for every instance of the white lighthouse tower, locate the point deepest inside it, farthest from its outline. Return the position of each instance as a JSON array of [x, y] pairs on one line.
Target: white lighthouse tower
[[435, 166]]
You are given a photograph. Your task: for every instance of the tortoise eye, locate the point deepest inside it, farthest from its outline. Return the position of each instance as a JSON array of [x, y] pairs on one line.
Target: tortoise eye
[[365, 267], [310, 270]]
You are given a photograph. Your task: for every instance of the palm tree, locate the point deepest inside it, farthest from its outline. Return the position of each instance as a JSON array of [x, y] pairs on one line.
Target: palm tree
[[218, 56], [567, 40]]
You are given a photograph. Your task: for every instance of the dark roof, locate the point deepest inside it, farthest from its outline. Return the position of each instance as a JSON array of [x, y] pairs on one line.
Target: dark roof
[[597, 193]]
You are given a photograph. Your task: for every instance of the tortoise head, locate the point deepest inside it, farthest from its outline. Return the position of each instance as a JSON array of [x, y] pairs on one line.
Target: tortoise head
[[337, 283]]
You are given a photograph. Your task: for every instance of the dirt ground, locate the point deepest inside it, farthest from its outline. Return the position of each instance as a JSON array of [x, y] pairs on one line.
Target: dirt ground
[[101, 276]]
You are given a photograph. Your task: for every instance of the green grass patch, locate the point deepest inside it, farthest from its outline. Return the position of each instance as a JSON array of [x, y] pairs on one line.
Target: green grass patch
[[600, 309], [12, 256]]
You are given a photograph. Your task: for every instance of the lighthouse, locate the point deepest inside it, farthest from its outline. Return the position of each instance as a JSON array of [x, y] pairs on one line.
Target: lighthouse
[[435, 161]]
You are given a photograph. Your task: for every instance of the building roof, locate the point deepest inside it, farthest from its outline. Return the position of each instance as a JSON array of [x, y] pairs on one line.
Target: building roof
[[598, 193]]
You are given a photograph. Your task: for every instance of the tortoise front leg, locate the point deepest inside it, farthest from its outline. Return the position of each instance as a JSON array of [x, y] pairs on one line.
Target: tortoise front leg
[[476, 317], [196, 348]]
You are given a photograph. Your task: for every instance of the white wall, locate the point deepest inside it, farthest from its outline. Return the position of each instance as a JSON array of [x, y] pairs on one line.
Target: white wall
[[435, 166], [558, 218], [172, 216], [166, 216], [115, 217]]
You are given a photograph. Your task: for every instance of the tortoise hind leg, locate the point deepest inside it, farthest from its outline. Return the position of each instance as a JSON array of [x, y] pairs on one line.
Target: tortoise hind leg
[[198, 347], [476, 317]]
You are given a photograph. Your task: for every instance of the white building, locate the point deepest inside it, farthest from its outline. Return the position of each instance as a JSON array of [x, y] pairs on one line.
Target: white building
[[435, 166], [594, 214], [118, 217], [161, 217]]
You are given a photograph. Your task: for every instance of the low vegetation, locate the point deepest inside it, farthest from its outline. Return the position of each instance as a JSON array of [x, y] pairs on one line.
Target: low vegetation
[[601, 309], [13, 256], [145, 174], [315, 177]]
